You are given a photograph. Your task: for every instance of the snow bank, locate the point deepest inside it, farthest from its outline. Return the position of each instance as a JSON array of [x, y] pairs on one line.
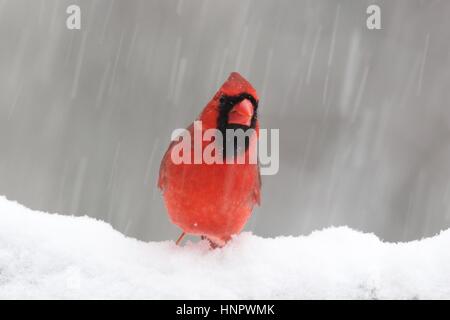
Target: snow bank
[[52, 256]]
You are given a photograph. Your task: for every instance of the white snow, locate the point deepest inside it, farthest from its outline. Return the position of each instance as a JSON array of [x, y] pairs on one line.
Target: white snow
[[52, 256]]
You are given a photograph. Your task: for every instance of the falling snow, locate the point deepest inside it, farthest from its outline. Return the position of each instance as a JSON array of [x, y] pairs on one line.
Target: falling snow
[[86, 115]]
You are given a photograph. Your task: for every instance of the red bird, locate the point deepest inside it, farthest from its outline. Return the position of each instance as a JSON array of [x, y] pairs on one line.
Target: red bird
[[216, 200]]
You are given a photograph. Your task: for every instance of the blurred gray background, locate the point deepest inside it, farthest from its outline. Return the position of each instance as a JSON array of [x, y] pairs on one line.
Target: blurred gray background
[[364, 118]]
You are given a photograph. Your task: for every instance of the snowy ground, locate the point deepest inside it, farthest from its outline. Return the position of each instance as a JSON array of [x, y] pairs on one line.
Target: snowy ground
[[52, 256]]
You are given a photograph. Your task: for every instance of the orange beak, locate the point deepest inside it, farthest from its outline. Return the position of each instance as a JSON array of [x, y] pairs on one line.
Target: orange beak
[[241, 113]]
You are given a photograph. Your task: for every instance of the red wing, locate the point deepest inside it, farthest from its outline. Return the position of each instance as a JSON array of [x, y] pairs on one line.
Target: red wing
[[257, 189], [162, 167]]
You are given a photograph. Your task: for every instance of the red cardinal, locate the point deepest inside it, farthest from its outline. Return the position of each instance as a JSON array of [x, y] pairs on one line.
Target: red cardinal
[[216, 200]]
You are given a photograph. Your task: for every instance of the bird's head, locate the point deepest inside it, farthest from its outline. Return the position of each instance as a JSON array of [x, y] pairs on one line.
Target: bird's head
[[233, 107]]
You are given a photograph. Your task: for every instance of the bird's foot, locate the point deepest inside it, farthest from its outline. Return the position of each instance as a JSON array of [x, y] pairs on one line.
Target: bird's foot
[[180, 238], [215, 243]]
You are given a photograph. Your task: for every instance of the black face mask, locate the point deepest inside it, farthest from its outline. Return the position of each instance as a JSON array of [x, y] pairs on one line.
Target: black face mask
[[225, 106]]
